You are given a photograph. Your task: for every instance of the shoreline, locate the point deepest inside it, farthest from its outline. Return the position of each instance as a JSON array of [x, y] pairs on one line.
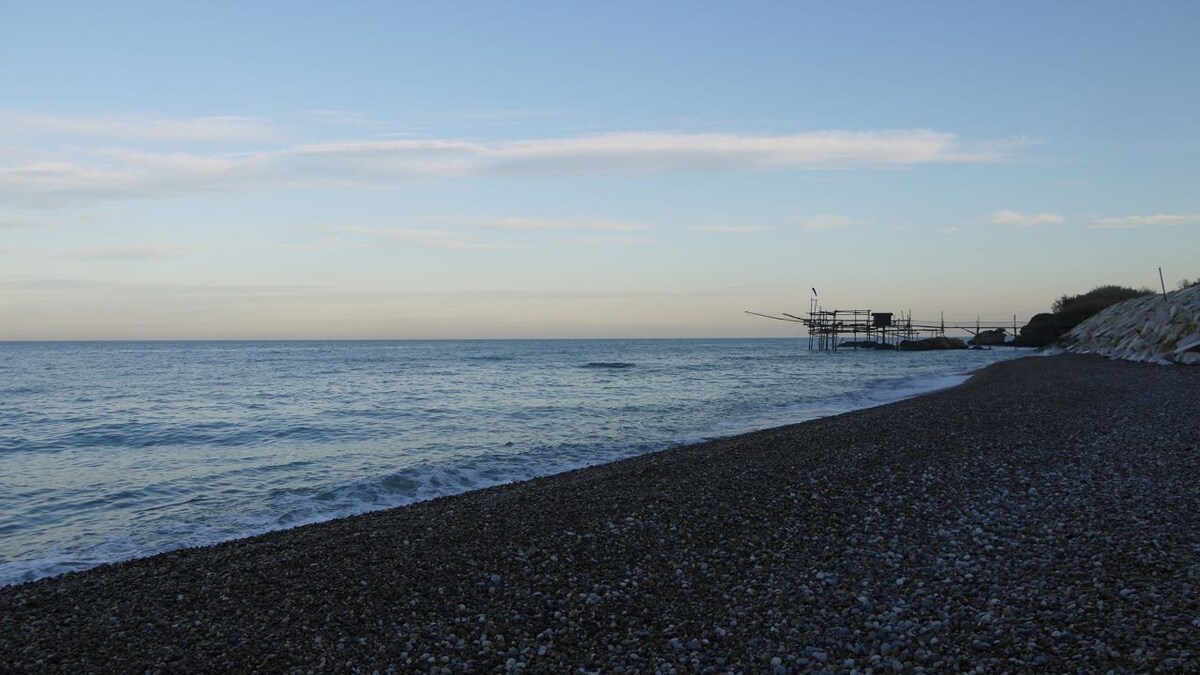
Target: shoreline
[[1059, 487]]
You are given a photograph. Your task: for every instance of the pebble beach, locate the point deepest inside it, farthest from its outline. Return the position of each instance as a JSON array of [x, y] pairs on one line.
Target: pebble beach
[[1041, 517]]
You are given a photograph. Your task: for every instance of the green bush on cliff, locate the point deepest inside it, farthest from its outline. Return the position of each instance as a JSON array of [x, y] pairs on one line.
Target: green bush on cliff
[[1072, 310]]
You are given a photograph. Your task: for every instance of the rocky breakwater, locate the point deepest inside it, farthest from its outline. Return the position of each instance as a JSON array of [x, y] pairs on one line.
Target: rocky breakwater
[[930, 344], [1152, 329]]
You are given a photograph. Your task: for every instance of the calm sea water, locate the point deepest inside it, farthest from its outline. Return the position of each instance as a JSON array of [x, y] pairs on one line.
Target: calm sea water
[[115, 450]]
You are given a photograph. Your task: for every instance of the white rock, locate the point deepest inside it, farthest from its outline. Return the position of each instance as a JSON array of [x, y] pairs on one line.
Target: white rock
[[1149, 329]]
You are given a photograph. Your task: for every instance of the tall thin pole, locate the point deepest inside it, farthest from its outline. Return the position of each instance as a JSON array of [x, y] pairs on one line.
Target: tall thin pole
[[1164, 284]]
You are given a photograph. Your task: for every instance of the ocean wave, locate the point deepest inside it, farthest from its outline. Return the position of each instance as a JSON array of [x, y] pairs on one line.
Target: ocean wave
[[432, 479], [890, 391], [610, 365], [23, 389], [148, 435]]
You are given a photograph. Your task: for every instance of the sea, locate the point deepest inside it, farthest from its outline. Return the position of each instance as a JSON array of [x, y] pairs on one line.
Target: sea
[[116, 450]]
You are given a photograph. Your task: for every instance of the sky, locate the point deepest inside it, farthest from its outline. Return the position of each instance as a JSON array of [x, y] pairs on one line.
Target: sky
[[233, 170]]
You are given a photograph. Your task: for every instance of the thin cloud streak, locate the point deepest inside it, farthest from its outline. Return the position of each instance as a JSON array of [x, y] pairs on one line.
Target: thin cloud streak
[[605, 241], [105, 174], [1125, 222], [651, 152], [127, 174], [30, 219], [142, 128], [467, 241], [343, 118], [22, 222], [1025, 220], [537, 224], [319, 293], [425, 238], [145, 252], [828, 221], [732, 229], [324, 244]]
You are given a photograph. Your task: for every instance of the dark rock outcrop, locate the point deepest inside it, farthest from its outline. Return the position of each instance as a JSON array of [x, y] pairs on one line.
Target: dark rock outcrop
[[989, 338], [1041, 330], [866, 344], [932, 343]]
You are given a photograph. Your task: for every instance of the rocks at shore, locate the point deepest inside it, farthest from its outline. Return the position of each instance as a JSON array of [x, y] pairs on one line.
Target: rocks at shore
[[932, 343], [977, 529], [1042, 330], [989, 338], [867, 344], [1152, 329]]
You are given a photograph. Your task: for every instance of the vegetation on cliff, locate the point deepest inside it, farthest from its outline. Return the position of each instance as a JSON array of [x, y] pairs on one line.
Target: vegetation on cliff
[[1074, 309], [1071, 310]]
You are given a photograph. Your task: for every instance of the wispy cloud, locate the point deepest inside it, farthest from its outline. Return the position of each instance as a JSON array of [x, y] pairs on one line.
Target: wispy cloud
[[426, 238], [1145, 221], [534, 224], [253, 294], [510, 114], [732, 229], [828, 221], [102, 172], [648, 152], [344, 118], [1025, 220], [953, 229], [141, 127], [20, 221], [116, 174], [130, 253], [568, 232], [604, 241], [322, 244]]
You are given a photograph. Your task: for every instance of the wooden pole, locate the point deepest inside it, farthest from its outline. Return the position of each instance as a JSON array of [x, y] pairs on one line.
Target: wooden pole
[[1164, 284]]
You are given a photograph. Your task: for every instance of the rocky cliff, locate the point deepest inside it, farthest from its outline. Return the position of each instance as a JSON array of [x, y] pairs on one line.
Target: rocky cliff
[[1151, 328]]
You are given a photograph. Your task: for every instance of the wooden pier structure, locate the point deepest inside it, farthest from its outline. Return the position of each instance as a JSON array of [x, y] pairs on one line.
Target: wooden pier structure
[[831, 329]]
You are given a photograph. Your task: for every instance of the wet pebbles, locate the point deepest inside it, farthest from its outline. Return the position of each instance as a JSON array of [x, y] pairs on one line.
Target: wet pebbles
[[1043, 517]]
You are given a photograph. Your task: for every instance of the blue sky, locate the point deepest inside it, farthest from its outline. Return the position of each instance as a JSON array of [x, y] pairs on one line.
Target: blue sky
[[279, 170]]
